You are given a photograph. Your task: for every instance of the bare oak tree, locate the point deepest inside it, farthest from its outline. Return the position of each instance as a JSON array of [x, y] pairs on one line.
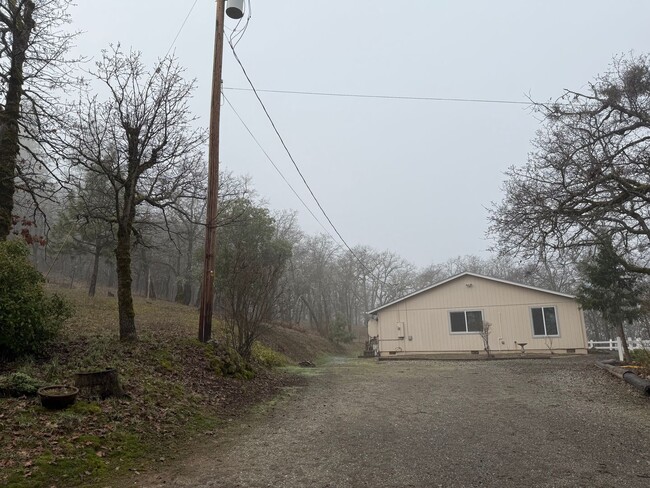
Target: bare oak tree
[[33, 65], [141, 138], [589, 175]]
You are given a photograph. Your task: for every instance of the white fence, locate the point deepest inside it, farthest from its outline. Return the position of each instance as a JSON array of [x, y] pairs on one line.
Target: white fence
[[616, 345]]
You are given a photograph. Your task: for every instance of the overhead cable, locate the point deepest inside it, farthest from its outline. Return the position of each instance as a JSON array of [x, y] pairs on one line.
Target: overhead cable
[[385, 97], [171, 46], [295, 164], [268, 157]]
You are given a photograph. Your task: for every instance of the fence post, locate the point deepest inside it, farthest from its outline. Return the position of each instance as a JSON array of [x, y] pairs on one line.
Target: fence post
[[611, 345], [590, 344], [619, 346]]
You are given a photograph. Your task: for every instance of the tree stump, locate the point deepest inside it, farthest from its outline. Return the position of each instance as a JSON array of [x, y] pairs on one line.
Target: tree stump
[[102, 384]]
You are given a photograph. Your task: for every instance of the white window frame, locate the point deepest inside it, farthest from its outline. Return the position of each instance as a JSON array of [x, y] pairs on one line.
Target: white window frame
[[532, 321], [451, 331]]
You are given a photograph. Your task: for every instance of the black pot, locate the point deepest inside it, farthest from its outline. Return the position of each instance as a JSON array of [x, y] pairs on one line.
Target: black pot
[[56, 397]]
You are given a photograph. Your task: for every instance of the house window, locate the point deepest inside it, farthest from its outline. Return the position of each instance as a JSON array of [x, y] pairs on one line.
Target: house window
[[470, 321], [544, 322]]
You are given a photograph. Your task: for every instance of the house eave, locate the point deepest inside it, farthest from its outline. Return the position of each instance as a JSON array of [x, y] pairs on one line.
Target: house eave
[[467, 273]]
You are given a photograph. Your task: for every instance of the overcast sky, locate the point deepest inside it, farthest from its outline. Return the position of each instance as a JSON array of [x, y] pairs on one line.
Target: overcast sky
[[414, 177]]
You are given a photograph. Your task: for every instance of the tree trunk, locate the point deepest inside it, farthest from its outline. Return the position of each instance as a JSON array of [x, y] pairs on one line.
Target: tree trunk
[[93, 277], [187, 293], [74, 271], [187, 282], [151, 289], [10, 114], [148, 282], [312, 315], [124, 281], [621, 333]]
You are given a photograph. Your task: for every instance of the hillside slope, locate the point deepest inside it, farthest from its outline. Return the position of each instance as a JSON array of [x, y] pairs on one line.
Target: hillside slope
[[175, 389]]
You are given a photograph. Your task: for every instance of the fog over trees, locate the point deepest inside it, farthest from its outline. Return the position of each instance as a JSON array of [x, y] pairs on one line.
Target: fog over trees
[[107, 185]]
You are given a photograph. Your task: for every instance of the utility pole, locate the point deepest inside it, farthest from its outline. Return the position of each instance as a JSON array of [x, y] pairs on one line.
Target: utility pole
[[207, 285]]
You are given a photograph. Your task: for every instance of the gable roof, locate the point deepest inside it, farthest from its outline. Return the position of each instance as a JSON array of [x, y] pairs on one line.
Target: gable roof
[[475, 275]]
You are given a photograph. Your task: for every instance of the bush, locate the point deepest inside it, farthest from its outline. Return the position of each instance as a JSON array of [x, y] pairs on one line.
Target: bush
[[29, 318], [18, 384], [641, 356], [267, 357]]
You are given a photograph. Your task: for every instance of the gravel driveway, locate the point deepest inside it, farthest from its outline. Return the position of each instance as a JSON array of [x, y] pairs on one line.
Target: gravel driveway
[[558, 422]]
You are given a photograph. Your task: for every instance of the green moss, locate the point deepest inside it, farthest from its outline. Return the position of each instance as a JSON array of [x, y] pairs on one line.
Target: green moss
[[85, 408], [164, 360], [198, 422], [224, 360], [89, 440], [70, 470], [126, 447], [246, 374], [85, 462]]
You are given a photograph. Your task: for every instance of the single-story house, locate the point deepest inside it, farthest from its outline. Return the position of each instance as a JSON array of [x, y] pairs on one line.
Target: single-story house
[[448, 318]]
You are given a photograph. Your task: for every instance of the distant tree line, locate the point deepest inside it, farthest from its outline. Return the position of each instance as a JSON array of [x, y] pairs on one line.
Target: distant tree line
[[103, 175]]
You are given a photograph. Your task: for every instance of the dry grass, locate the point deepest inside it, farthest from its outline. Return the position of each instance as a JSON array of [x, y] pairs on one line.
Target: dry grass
[[97, 316]]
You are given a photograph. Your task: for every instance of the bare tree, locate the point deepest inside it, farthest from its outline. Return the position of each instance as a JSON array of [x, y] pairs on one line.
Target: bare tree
[[485, 331], [589, 175], [140, 138], [189, 228], [33, 64], [85, 224]]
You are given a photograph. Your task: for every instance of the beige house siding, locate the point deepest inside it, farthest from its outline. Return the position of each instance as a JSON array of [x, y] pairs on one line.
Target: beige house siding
[[421, 324]]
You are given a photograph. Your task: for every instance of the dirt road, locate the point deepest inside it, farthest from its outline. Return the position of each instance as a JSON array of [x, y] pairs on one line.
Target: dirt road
[[553, 423]]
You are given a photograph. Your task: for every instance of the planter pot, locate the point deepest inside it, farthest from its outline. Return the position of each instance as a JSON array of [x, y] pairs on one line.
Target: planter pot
[[102, 384], [56, 397]]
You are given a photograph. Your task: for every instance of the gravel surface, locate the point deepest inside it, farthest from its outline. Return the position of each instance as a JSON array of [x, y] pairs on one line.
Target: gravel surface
[[553, 423]]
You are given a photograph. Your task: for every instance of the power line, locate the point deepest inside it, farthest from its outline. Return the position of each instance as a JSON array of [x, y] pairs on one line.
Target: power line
[[295, 164], [181, 28], [384, 97], [268, 157]]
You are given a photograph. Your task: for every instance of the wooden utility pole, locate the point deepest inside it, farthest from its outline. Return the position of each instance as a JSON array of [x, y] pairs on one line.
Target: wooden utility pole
[[207, 285]]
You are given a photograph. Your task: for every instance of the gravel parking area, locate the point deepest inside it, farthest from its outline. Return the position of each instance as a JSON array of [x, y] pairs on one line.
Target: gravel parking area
[[552, 423]]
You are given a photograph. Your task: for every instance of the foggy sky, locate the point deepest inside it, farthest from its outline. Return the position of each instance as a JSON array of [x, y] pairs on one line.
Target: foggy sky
[[414, 177]]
